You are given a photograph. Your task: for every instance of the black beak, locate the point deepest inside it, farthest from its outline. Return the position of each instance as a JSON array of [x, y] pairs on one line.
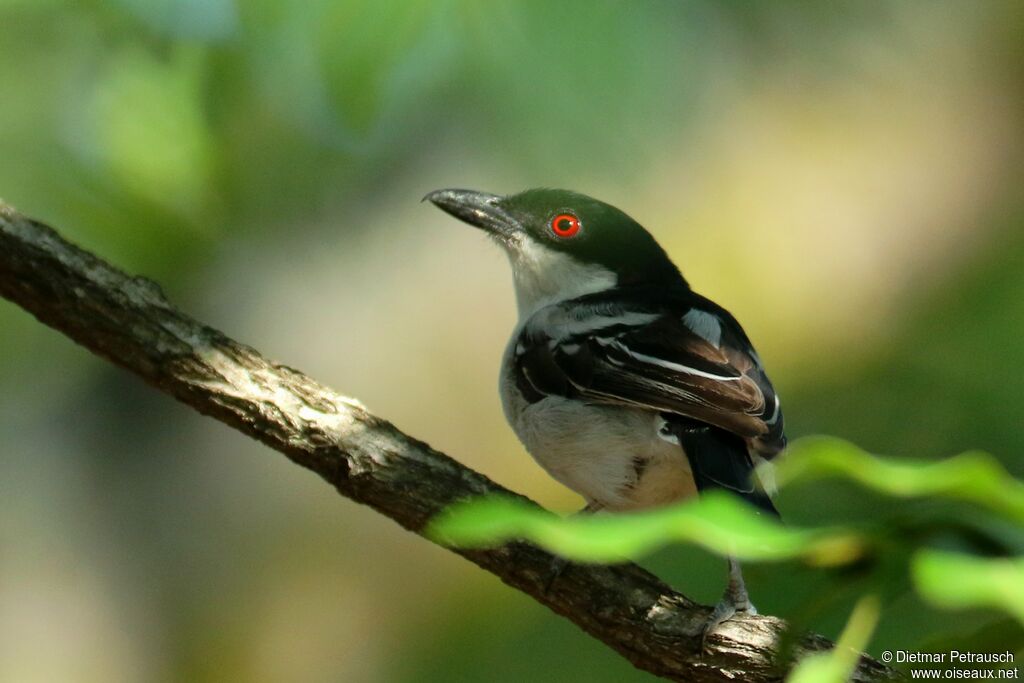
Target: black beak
[[479, 209]]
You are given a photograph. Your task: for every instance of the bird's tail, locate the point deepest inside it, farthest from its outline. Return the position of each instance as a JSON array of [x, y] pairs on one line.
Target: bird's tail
[[720, 459]]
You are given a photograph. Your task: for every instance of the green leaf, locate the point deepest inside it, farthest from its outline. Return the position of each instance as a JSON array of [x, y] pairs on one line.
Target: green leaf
[[974, 476], [716, 521], [958, 581], [836, 665], [146, 128]]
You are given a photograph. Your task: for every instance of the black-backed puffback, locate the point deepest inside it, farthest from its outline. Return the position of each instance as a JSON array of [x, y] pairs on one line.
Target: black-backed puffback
[[622, 382]]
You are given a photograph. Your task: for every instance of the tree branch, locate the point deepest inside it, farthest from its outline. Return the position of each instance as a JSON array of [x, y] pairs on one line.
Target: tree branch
[[128, 321]]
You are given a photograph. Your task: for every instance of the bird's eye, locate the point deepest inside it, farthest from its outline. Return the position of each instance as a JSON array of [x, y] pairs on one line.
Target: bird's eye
[[565, 225]]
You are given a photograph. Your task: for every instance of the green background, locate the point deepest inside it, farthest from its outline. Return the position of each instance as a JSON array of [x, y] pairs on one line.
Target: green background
[[845, 177]]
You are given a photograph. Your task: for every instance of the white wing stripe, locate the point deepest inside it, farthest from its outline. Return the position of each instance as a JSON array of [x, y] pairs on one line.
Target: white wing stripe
[[668, 365]]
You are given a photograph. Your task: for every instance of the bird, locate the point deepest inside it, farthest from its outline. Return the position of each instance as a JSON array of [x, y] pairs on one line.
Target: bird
[[621, 381]]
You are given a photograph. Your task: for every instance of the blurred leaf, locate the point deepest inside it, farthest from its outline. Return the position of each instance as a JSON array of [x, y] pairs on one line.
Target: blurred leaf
[[974, 476], [542, 70], [358, 77], [186, 19], [957, 581], [837, 665], [147, 129], [716, 521], [359, 45]]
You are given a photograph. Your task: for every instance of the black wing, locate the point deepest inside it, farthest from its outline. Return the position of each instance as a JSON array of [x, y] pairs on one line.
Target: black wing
[[677, 353]]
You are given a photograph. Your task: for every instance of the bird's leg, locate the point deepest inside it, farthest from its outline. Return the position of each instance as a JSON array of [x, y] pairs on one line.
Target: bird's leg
[[734, 600], [559, 563]]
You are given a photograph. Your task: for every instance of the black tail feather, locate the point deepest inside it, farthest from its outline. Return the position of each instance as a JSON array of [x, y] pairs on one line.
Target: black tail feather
[[720, 459]]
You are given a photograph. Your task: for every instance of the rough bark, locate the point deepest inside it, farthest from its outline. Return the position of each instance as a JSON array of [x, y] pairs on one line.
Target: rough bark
[[128, 321]]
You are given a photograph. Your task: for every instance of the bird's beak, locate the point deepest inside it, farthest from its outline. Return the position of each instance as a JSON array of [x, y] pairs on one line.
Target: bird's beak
[[479, 209]]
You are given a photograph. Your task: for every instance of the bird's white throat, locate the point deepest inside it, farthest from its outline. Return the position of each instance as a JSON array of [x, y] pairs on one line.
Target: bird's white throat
[[544, 276]]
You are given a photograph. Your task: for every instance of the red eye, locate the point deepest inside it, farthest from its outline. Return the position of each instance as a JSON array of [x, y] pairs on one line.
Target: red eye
[[565, 225]]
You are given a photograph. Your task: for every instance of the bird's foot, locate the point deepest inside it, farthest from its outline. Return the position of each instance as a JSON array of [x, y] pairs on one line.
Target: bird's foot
[[734, 601]]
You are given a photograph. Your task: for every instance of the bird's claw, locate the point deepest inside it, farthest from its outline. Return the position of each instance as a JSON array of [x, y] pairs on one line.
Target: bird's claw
[[732, 603]]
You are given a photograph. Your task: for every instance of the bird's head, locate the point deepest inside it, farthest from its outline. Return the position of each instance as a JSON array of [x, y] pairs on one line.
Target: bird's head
[[563, 244]]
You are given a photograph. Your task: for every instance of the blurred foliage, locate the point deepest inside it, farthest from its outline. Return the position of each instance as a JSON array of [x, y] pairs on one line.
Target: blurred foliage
[[837, 665], [717, 522], [955, 350], [974, 477], [844, 176], [993, 579], [955, 580]]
